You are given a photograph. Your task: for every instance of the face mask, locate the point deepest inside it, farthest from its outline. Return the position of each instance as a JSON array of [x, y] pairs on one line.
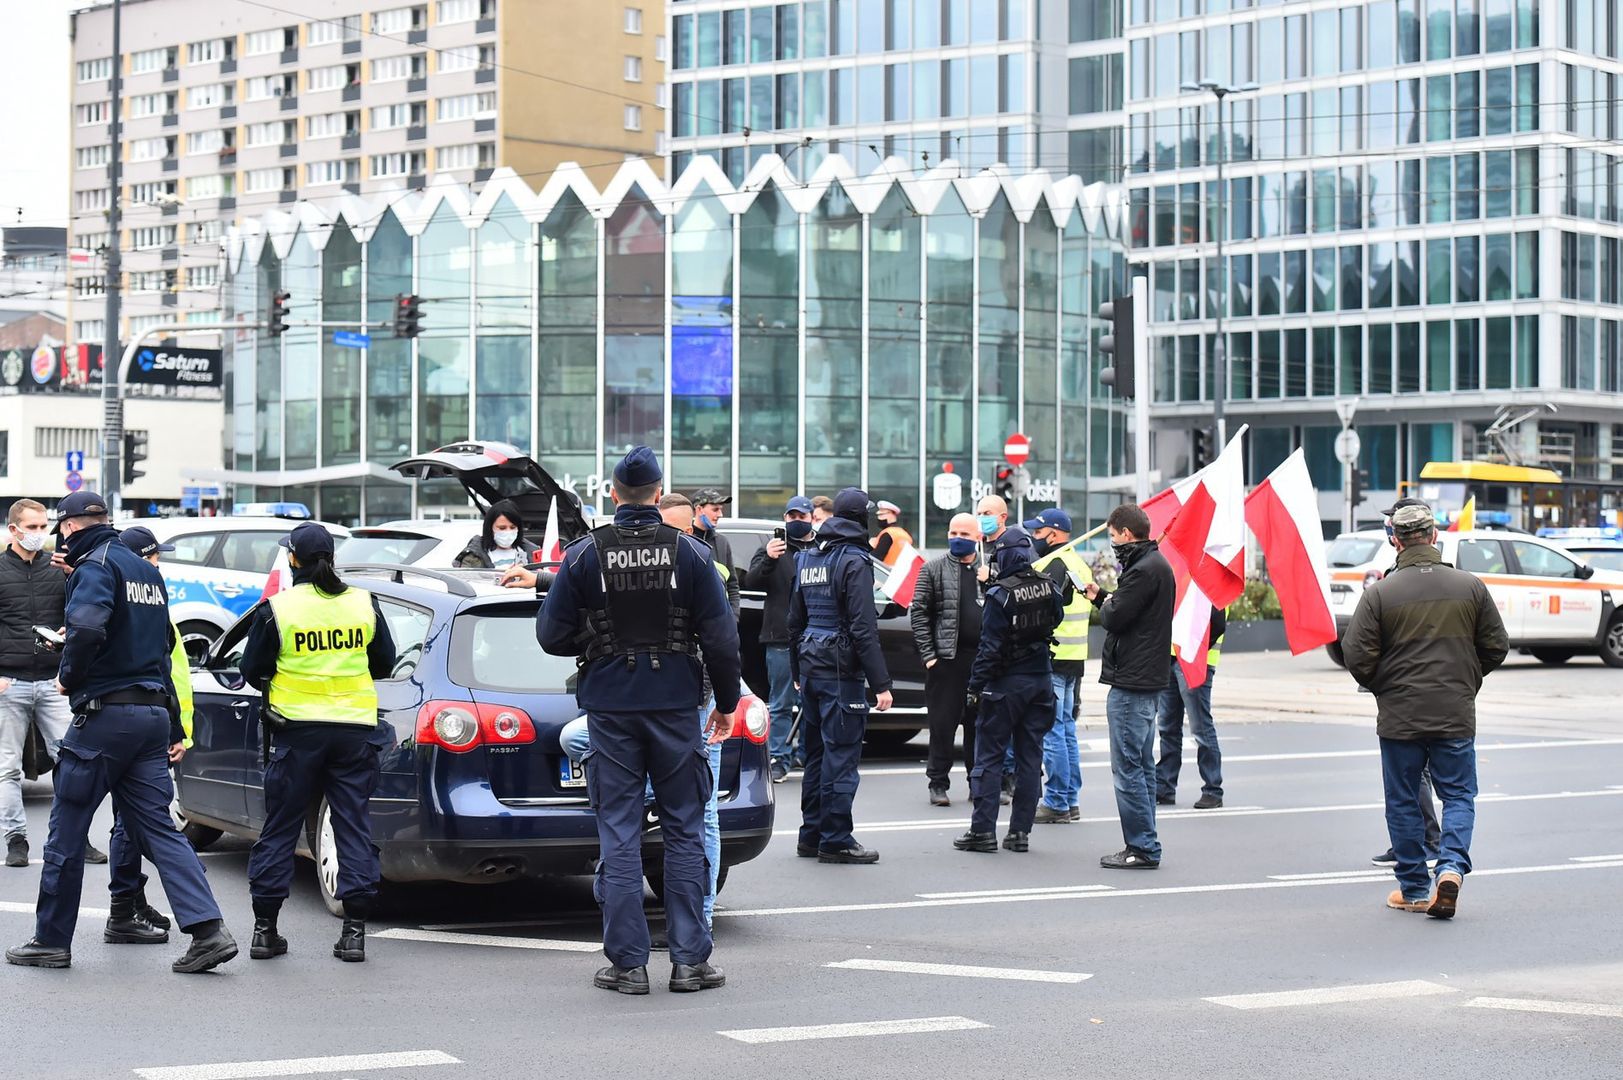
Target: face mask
[[988, 524], [798, 530], [505, 537], [30, 541], [1043, 546], [702, 521], [816, 525], [1124, 550], [961, 547]]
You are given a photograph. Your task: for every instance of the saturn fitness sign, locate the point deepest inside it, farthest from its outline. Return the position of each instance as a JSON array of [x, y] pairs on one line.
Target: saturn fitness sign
[[176, 367]]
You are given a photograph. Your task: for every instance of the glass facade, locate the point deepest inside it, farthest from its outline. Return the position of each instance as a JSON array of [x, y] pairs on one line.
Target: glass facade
[[787, 337]]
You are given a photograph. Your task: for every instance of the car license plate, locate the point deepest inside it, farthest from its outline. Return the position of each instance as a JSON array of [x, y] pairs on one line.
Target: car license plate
[[571, 774]]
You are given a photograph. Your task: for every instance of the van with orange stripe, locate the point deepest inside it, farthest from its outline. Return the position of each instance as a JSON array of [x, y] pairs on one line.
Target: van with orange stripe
[[1555, 606]]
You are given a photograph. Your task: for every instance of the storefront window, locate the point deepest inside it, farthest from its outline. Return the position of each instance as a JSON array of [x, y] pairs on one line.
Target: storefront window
[[999, 299], [503, 373], [768, 355], [445, 283], [949, 359], [702, 343], [1040, 389], [388, 361], [833, 376], [566, 436], [340, 365], [894, 242], [634, 328]]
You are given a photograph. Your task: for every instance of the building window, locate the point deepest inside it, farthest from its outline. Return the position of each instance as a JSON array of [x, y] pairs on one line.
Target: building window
[[269, 133], [463, 58], [90, 199], [211, 96], [389, 117], [84, 330], [206, 232], [206, 142], [399, 20], [393, 68], [149, 149], [633, 20], [152, 236], [330, 78], [633, 70], [325, 126], [152, 192], [331, 31], [265, 87], [465, 156], [258, 181], [149, 60], [144, 105], [90, 157], [633, 118], [347, 171], [455, 11], [218, 186], [207, 52], [401, 164], [95, 70], [466, 106], [661, 48], [95, 112], [264, 42]]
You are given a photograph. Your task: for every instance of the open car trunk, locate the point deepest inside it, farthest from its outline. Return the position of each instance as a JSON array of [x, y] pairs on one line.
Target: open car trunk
[[492, 471]]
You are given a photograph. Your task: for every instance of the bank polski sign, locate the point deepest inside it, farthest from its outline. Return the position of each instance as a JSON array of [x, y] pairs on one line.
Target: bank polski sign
[[1037, 490]]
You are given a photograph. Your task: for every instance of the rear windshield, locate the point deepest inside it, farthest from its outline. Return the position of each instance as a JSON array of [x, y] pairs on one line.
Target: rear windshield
[[391, 548], [1354, 550], [494, 648]]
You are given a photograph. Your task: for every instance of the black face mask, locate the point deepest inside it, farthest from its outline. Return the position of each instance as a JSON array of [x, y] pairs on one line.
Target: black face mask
[[1043, 546], [1125, 551]]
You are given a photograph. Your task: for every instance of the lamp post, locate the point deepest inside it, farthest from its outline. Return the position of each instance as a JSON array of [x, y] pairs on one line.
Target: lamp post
[[1220, 381]]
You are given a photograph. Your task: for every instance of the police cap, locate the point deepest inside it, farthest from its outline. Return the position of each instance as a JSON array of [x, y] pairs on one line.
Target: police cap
[[79, 504], [852, 504], [639, 468], [308, 541], [1052, 518], [139, 539]]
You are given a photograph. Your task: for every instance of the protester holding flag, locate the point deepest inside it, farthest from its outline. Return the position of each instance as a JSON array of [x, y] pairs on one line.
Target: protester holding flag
[[501, 543], [946, 617]]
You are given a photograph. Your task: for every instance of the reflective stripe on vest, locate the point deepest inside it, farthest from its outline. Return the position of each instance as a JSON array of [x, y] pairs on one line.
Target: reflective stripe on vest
[[321, 670], [1071, 638], [1213, 654]]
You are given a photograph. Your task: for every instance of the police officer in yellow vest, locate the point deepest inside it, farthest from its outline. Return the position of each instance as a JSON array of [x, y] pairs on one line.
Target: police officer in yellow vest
[[314, 650], [1062, 755], [1179, 700]]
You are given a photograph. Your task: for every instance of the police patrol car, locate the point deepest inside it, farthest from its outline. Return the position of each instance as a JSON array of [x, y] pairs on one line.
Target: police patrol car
[[1555, 605], [218, 568]]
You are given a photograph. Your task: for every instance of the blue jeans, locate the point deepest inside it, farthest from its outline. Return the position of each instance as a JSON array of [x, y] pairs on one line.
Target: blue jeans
[[1062, 756], [1131, 716], [1178, 702], [712, 819], [1453, 774], [23, 703], [784, 699]]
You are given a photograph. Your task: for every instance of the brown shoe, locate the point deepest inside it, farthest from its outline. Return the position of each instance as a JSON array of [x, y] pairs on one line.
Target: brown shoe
[[1446, 897], [1397, 903]]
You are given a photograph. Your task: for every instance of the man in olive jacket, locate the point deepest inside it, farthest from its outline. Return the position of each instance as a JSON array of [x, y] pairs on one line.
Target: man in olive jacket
[[1421, 641]]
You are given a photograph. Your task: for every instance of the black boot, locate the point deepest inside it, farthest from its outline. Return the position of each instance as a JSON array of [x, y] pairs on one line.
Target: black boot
[[212, 945], [267, 942], [1017, 841], [976, 841], [148, 912], [32, 954], [686, 978], [351, 946], [127, 926], [624, 980]]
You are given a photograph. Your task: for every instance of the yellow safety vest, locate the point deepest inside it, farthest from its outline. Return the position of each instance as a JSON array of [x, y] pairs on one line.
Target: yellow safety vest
[[321, 671], [1213, 654], [180, 671], [1071, 637]]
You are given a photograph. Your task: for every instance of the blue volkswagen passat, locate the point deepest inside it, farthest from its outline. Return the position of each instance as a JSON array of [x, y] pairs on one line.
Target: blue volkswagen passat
[[475, 787]]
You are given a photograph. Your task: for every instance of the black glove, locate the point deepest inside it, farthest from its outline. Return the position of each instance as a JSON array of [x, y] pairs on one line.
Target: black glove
[[973, 700]]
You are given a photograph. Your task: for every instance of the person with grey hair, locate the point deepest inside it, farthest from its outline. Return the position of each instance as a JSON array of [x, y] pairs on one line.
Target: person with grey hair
[[946, 619], [1421, 640]]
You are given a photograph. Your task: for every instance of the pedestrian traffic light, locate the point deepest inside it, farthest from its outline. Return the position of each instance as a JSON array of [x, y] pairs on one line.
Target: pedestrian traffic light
[[1200, 451], [408, 315], [135, 450], [1117, 346], [1003, 484], [277, 323]]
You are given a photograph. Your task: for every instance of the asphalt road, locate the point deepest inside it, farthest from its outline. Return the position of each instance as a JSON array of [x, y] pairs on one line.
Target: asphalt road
[[1260, 949]]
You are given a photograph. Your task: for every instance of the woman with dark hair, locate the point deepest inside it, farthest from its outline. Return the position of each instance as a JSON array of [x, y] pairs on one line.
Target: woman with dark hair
[[501, 544]]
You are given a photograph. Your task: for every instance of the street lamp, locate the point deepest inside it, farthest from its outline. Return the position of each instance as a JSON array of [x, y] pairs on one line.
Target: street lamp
[[1220, 383]]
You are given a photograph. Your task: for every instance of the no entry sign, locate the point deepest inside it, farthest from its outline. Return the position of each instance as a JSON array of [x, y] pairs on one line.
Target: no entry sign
[[1017, 450]]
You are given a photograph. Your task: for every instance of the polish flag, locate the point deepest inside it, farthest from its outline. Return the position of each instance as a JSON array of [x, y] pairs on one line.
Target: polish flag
[[552, 548], [281, 575], [1283, 512], [1467, 517], [904, 576]]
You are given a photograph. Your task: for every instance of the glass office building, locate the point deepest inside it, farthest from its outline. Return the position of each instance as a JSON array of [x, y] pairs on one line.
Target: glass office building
[[768, 338]]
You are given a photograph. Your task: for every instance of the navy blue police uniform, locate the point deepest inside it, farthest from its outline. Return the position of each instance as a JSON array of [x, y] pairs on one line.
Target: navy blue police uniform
[[116, 671], [835, 658], [315, 756], [637, 603], [1011, 683]]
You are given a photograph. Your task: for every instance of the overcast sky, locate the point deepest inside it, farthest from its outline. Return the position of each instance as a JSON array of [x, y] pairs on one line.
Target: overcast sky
[[34, 117]]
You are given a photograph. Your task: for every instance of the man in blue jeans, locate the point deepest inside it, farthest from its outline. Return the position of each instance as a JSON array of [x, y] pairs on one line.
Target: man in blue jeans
[[1421, 640], [1179, 700], [1137, 619], [772, 571]]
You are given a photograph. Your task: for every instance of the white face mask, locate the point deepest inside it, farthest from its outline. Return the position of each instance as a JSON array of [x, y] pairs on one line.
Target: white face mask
[[505, 537], [30, 541]]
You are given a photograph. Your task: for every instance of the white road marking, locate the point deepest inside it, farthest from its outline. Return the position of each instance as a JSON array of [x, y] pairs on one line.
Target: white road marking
[[1174, 890], [962, 971], [442, 938], [923, 1025], [1595, 858], [1331, 995], [1336, 874], [1052, 889], [15, 907], [247, 1070], [1564, 1008]]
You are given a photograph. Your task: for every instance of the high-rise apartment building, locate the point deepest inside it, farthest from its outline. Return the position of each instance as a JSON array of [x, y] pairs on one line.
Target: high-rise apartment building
[[232, 109]]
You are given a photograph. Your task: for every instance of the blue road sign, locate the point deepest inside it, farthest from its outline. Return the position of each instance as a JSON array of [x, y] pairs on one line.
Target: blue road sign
[[76, 461], [351, 339], [75, 480]]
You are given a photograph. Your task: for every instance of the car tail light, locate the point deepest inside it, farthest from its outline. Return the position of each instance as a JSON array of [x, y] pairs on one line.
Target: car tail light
[[751, 720], [1372, 577], [459, 726]]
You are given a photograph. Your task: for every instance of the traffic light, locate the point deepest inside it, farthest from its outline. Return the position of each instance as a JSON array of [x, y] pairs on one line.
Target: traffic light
[[1118, 346], [135, 450], [278, 313], [1360, 479], [1003, 484], [408, 315], [1200, 451]]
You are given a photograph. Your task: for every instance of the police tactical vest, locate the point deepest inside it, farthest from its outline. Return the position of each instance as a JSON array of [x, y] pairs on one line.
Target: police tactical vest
[[639, 613], [817, 570], [1071, 639], [322, 672], [1027, 597]]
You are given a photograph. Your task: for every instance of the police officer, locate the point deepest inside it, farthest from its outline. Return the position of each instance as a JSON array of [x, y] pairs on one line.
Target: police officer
[[126, 728], [833, 651], [1011, 685], [635, 602], [314, 650], [130, 919]]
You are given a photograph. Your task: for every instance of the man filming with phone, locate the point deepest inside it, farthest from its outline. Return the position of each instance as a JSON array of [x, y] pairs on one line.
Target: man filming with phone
[[772, 571]]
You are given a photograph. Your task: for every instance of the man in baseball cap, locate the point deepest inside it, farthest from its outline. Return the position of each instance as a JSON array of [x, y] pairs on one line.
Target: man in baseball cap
[[139, 539], [709, 507], [79, 504]]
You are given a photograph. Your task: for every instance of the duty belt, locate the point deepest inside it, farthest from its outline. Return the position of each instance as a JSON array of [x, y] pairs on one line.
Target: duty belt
[[134, 696]]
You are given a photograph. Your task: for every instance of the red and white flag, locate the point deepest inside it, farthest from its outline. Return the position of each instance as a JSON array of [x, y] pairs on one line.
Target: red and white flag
[[552, 548], [904, 576], [1283, 512], [281, 575]]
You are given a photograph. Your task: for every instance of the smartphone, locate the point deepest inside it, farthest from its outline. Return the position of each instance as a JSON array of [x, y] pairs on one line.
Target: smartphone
[[779, 533], [1076, 581], [50, 637]]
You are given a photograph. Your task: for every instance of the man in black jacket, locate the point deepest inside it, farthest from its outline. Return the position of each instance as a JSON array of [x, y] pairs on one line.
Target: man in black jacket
[[32, 593], [772, 571], [709, 507], [946, 618], [1137, 619]]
